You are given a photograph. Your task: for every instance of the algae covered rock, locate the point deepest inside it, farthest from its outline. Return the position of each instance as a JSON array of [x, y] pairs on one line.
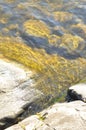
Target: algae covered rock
[[37, 28], [72, 43], [80, 29], [49, 76], [63, 16]]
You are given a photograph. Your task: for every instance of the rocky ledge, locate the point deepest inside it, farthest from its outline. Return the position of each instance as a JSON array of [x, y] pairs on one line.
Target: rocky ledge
[[16, 92], [61, 116]]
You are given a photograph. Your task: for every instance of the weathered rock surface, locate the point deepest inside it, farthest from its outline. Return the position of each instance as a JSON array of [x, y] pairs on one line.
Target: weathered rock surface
[[77, 92], [10, 76], [61, 116], [16, 92]]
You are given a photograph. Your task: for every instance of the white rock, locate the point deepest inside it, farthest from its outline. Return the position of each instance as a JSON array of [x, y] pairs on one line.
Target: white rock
[[77, 92], [16, 91]]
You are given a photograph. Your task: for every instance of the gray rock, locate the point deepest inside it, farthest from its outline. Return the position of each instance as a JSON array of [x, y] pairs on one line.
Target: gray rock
[[16, 92], [77, 92], [61, 116]]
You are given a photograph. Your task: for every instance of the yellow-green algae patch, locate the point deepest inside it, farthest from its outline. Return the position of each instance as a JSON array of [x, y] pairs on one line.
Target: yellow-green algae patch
[[63, 16], [81, 26], [37, 28], [4, 18], [55, 72], [54, 40], [15, 50], [40, 29], [12, 26], [71, 42], [9, 1]]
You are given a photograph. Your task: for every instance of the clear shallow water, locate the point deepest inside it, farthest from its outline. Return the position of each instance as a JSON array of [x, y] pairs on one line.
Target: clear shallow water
[[14, 13], [58, 27], [17, 12]]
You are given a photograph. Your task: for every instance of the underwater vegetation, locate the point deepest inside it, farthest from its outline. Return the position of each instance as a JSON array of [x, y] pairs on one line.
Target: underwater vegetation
[[62, 32], [53, 73]]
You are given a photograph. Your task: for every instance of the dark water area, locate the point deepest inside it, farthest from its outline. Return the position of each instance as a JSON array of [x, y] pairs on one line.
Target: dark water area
[[62, 17]]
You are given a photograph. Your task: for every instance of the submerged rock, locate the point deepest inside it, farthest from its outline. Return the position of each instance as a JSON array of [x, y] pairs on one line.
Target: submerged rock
[[61, 116], [77, 92]]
